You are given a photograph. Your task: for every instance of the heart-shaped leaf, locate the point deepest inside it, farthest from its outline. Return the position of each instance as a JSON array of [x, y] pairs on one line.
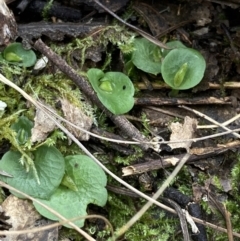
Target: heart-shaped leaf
[[147, 56], [50, 167], [114, 89], [90, 181]]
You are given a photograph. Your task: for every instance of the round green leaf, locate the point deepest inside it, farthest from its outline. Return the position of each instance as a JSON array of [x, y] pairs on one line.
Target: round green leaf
[[147, 56], [16, 54], [114, 89], [50, 167], [183, 68], [90, 181]]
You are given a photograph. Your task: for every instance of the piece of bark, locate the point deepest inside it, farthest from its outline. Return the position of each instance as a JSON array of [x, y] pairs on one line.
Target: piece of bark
[[56, 31], [8, 26]]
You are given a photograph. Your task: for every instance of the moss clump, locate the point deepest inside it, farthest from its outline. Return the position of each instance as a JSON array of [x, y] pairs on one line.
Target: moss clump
[[155, 224]]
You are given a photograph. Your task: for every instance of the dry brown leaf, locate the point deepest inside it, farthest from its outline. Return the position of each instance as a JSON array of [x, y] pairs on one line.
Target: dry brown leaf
[[76, 116], [182, 132], [43, 125], [22, 215]]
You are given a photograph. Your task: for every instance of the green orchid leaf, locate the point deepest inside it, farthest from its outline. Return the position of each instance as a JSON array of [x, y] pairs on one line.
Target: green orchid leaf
[[114, 89], [147, 56], [49, 164], [183, 68], [90, 181], [16, 54]]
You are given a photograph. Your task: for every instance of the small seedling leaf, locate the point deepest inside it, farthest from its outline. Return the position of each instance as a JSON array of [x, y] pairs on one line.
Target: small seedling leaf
[[147, 56], [49, 164], [16, 54], [183, 68], [114, 89], [90, 181]]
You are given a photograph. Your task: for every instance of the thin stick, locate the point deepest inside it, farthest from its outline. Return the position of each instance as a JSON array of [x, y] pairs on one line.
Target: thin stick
[[228, 223], [146, 101], [162, 85]]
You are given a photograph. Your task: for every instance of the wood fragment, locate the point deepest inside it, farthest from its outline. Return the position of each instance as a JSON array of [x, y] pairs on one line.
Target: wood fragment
[[196, 155], [183, 101], [162, 85], [56, 31], [8, 26]]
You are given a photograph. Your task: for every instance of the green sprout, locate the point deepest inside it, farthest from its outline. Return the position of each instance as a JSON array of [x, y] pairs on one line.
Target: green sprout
[[16, 54]]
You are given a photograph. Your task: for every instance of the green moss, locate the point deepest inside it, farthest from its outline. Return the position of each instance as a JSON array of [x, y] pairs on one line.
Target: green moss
[[116, 35], [154, 225], [46, 9]]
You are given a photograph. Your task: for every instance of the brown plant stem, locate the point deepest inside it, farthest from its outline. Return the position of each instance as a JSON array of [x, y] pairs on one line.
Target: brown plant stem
[[183, 101], [162, 85]]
